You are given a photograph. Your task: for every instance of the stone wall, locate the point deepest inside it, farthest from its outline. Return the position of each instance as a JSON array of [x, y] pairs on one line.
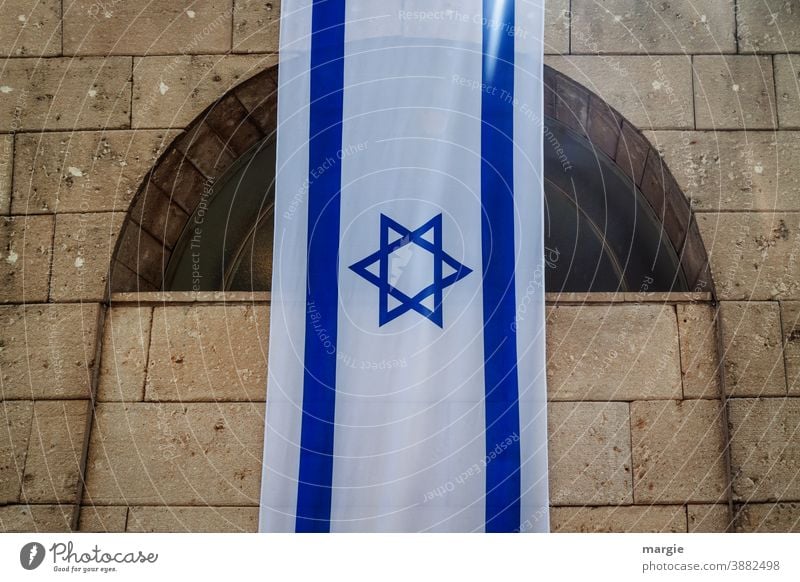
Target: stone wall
[[635, 417], [146, 413]]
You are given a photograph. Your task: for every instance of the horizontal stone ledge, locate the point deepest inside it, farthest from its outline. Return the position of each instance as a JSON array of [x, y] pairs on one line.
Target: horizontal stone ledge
[[763, 211], [627, 297], [261, 400], [555, 398], [139, 54], [102, 506], [630, 505], [652, 55], [178, 297]]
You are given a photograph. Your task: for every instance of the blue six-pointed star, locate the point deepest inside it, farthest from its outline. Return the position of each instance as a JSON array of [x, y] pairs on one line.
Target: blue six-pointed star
[[439, 281]]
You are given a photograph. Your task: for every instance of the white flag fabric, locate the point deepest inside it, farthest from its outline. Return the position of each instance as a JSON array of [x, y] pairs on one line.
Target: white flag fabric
[[406, 387]]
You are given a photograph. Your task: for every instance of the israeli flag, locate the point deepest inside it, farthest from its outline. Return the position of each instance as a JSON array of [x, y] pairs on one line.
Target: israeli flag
[[406, 386]]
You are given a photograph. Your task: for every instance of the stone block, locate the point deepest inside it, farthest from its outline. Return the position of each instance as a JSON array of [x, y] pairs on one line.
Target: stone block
[[197, 454], [15, 418], [699, 361], [25, 251], [53, 467], [649, 92], [590, 455], [790, 322], [6, 171], [48, 351], [208, 353], [708, 518], [753, 348], [256, 25], [83, 246], [103, 518], [754, 255], [633, 26], [734, 92], [162, 27], [765, 450], [768, 517], [617, 352], [193, 519], [172, 91], [30, 28], [678, 451], [126, 342], [36, 518], [787, 87], [734, 171], [65, 93], [768, 26], [652, 519], [82, 171], [556, 27]]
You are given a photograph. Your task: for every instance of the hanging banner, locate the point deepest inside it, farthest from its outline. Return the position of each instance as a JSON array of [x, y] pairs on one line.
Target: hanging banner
[[406, 386]]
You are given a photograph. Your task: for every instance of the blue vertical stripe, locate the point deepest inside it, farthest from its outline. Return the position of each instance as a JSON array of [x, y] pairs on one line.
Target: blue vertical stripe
[[499, 303], [319, 384]]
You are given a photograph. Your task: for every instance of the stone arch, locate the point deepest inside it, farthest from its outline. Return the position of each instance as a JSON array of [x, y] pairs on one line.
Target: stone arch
[[178, 183]]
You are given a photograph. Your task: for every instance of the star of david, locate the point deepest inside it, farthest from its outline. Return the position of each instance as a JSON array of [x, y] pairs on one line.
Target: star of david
[[426, 301]]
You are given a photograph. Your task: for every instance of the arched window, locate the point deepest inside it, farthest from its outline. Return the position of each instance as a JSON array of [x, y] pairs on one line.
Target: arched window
[[615, 218]]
